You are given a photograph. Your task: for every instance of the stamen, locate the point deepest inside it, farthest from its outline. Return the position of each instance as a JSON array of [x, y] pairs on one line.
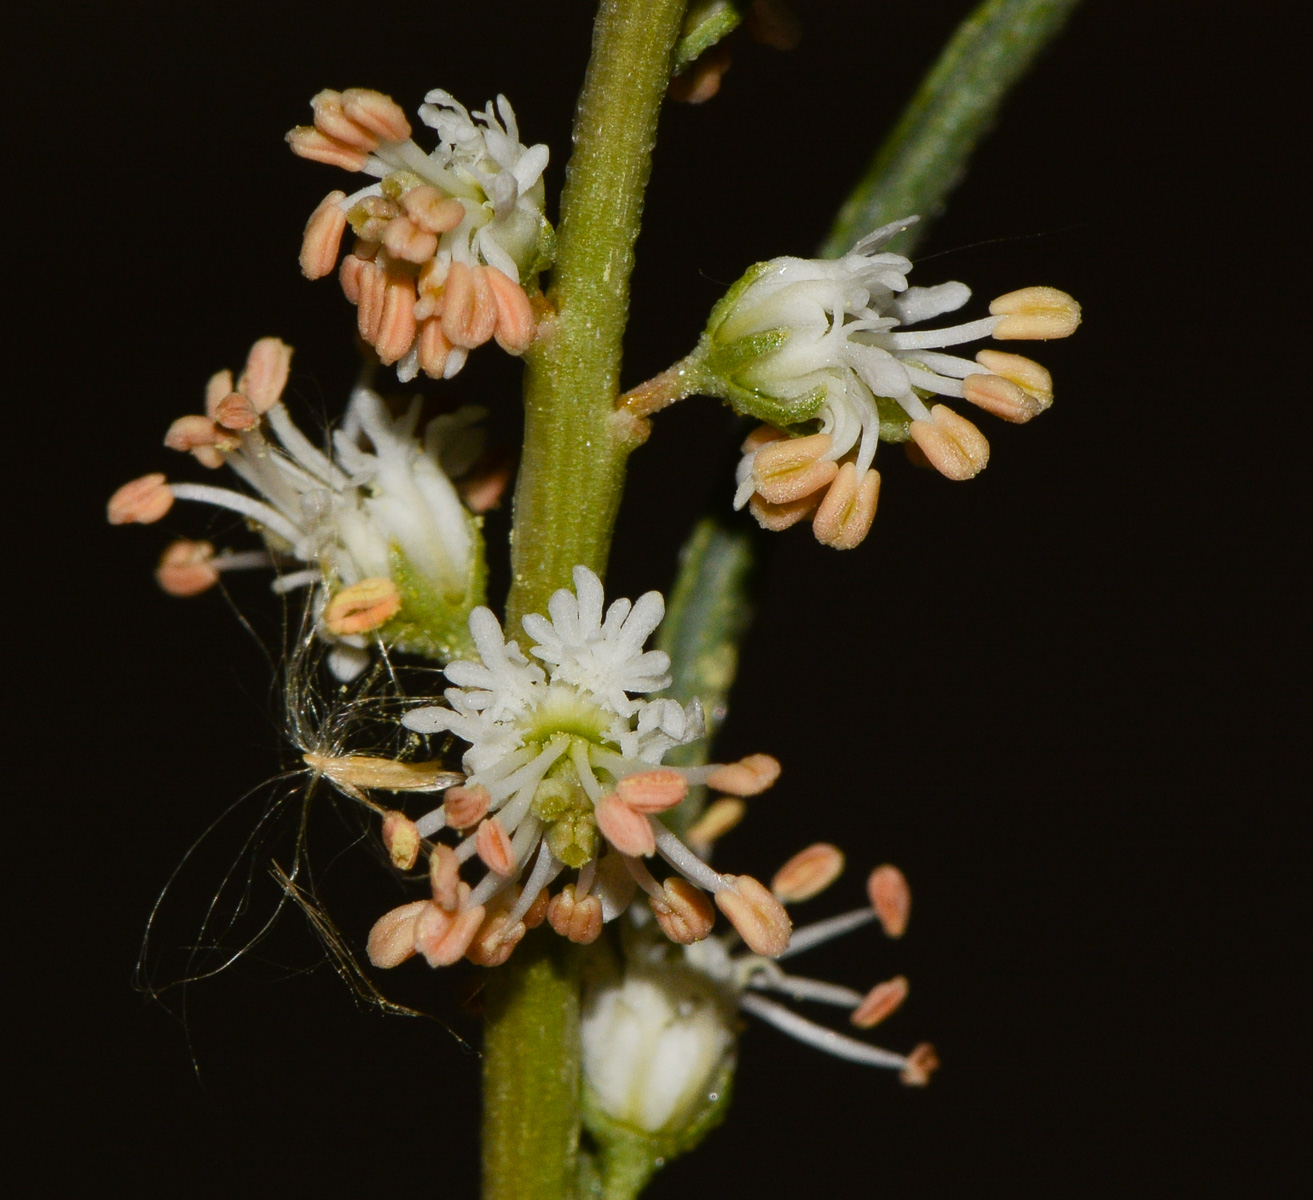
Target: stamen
[[759, 918], [257, 511], [547, 868], [186, 568], [684, 860], [652, 791], [719, 818], [574, 916], [322, 239], [628, 831], [788, 470], [1035, 314], [1001, 397], [804, 989], [141, 502], [469, 310], [845, 516], [466, 806], [516, 327], [778, 517], [685, 913], [820, 1037], [808, 873], [748, 777], [822, 931], [921, 1063], [954, 446], [362, 607], [444, 938], [494, 847], [401, 839], [880, 1001], [392, 939], [891, 898], [444, 877]]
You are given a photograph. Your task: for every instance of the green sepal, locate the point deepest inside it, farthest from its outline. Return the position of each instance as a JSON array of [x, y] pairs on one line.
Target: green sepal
[[731, 297], [432, 622], [895, 424], [704, 26]]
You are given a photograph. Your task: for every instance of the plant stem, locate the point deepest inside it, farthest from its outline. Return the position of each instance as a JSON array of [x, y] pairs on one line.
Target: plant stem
[[531, 1075], [571, 476], [573, 464], [926, 155]]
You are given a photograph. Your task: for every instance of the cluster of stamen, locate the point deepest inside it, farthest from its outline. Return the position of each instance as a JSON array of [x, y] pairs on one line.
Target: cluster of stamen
[[422, 295]]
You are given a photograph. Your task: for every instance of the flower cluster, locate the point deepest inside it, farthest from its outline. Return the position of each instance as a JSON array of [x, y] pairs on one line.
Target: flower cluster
[[564, 772], [819, 350], [659, 1031], [444, 241], [376, 527]]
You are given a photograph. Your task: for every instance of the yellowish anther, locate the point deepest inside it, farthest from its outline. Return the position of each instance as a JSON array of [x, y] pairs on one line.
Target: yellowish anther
[[265, 375], [370, 217], [494, 847], [778, 517], [405, 240], [401, 838], [516, 325], [921, 1064], [652, 791], [469, 308], [444, 938], [323, 236], [953, 446], [332, 121], [808, 873], [792, 468], [1001, 397], [1026, 373], [362, 607], [386, 774], [464, 807], [392, 939], [627, 830], [218, 388], [379, 114], [891, 898], [185, 568], [717, 820], [141, 502], [494, 941], [686, 916], [577, 918], [748, 777], [444, 877], [432, 210], [759, 918], [308, 142], [880, 1001], [844, 518], [1035, 314]]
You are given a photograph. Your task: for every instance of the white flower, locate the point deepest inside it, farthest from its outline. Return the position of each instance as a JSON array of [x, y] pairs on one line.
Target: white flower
[[563, 764], [826, 342], [374, 522], [445, 240]]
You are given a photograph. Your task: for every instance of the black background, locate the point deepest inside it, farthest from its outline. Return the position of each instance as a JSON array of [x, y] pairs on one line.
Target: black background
[[1065, 697]]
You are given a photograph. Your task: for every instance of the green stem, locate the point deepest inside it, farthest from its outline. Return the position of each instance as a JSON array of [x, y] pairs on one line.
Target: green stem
[[926, 155], [575, 446], [531, 1075]]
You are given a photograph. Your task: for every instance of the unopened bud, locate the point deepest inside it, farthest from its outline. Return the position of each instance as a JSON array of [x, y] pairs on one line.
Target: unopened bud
[[576, 918], [141, 502], [955, 447], [891, 898], [759, 918], [401, 838], [808, 873], [362, 607], [628, 831], [880, 1001], [748, 777], [845, 515], [1035, 314], [686, 916], [185, 568], [652, 791], [392, 939]]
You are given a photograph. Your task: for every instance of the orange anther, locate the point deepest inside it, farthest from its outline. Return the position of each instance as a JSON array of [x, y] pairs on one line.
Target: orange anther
[[333, 122], [891, 898], [203, 438], [954, 447], [759, 918], [371, 283], [392, 939], [652, 791], [748, 777], [1001, 397], [140, 502], [880, 1001], [348, 275], [467, 805], [494, 847], [921, 1064], [405, 240], [719, 818], [778, 517], [628, 831], [379, 114], [235, 412], [443, 937], [323, 236], [434, 349], [469, 309], [265, 375], [185, 568], [536, 913], [580, 920], [790, 469], [217, 389], [432, 210], [308, 142], [516, 326], [494, 941], [362, 607], [401, 838], [444, 877], [686, 916], [845, 515], [808, 873], [396, 326], [1026, 373]]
